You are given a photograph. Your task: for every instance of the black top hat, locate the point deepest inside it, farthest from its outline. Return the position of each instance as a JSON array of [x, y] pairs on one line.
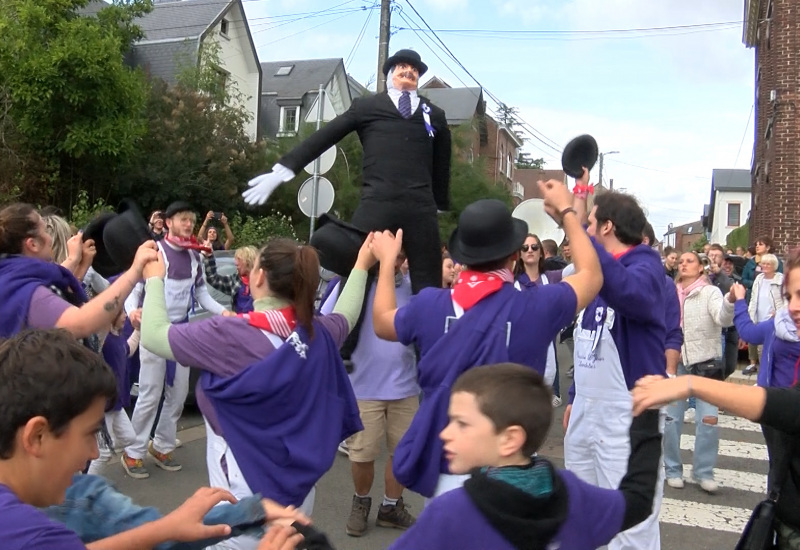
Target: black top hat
[[405, 56], [579, 153], [486, 232], [337, 243], [178, 207], [117, 237]]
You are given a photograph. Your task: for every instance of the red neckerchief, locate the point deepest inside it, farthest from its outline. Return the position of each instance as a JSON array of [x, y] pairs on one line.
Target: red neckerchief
[[619, 255], [278, 321], [473, 286], [190, 244], [246, 282]]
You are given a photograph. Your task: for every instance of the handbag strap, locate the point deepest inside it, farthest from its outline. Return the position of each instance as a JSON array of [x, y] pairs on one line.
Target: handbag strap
[[781, 470]]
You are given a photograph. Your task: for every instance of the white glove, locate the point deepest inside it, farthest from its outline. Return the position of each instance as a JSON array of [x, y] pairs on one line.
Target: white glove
[[261, 187]]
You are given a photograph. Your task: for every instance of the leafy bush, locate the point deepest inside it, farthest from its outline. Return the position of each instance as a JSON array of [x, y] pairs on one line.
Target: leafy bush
[[739, 237], [83, 211], [255, 231]]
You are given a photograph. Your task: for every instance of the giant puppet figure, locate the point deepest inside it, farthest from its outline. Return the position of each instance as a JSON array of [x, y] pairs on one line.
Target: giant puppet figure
[[406, 166]]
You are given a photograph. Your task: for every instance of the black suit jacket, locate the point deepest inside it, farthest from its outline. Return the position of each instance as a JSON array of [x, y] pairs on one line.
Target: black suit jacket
[[401, 161]]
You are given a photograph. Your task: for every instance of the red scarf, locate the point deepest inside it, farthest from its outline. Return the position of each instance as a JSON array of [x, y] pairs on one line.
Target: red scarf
[[473, 286], [191, 244], [278, 321], [246, 282]]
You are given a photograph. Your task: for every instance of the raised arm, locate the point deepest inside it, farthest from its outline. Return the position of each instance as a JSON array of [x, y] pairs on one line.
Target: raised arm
[[228, 233], [749, 331], [588, 277], [98, 314], [351, 297], [386, 247]]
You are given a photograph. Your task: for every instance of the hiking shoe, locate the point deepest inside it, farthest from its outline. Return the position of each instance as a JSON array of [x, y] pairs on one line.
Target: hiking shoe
[[357, 523], [752, 369], [164, 460], [134, 467], [556, 401], [395, 516], [675, 482]]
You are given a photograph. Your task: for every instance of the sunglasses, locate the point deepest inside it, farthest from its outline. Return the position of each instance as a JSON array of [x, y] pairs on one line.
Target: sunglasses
[[533, 247]]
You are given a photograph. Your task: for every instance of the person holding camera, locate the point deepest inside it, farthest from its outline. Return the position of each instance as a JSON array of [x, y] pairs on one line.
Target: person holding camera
[[704, 313], [209, 236], [157, 229]]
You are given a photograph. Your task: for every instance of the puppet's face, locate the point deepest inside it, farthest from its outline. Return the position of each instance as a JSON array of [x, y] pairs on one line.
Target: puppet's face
[[405, 77]]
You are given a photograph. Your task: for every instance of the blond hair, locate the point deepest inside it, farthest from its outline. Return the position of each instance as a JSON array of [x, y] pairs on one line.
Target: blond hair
[[60, 230], [248, 255]]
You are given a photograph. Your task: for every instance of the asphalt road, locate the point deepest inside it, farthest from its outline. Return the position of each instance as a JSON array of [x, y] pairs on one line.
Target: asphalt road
[[690, 518]]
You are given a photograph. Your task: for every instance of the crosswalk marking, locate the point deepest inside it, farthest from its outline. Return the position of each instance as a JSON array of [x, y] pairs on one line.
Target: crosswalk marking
[[735, 449], [734, 479], [707, 516]]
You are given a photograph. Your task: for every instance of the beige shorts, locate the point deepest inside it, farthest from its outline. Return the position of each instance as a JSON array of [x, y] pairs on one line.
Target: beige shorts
[[381, 418]]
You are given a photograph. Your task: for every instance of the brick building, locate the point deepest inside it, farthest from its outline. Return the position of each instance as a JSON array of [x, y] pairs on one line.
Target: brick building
[[772, 27], [683, 237], [488, 139]]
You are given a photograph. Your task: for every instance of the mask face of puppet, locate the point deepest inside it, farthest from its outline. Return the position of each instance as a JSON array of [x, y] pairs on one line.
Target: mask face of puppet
[[405, 77]]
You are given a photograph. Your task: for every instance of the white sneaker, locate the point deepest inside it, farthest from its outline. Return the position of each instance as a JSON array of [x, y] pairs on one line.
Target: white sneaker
[[675, 482], [343, 448], [688, 416], [556, 401], [709, 485]]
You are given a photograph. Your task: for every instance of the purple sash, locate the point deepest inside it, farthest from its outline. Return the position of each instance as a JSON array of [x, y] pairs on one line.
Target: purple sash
[[479, 337], [20, 276], [285, 416]]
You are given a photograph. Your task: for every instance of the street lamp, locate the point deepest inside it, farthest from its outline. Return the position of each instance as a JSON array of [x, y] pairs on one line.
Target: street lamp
[[602, 155]]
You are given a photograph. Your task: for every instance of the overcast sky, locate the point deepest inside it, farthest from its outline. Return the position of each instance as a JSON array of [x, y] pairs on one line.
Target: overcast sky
[[676, 103]]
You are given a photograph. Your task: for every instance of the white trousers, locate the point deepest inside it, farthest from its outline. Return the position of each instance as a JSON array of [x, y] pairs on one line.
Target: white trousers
[[151, 385], [596, 449], [121, 431], [233, 481]]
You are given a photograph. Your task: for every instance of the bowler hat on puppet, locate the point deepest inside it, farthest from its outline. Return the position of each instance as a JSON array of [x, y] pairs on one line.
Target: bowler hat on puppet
[[117, 237], [337, 243], [405, 56], [579, 153], [486, 232]]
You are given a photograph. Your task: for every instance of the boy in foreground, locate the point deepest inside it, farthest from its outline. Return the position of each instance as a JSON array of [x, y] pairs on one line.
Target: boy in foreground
[[499, 417], [53, 395]]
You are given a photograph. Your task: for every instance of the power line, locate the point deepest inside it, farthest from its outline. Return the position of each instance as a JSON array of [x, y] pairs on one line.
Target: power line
[[359, 38], [305, 30]]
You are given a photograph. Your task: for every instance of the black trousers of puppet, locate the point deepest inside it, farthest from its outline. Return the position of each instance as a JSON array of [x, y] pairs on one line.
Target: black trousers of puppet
[[421, 240]]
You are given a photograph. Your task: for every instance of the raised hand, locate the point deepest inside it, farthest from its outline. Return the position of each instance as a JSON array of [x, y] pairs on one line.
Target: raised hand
[[386, 246], [261, 187]]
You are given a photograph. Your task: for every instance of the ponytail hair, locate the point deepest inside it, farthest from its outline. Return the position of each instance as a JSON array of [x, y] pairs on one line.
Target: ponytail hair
[[292, 274]]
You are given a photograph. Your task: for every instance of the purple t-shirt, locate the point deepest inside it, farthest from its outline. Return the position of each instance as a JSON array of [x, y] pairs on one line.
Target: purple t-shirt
[[23, 527], [227, 345], [382, 370], [536, 317], [452, 521], [46, 308]]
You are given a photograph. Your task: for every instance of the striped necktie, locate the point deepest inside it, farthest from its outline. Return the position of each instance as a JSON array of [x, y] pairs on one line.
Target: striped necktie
[[404, 105]]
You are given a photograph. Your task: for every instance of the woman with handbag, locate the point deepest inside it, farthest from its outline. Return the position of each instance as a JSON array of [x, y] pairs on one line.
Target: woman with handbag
[[777, 408], [704, 312]]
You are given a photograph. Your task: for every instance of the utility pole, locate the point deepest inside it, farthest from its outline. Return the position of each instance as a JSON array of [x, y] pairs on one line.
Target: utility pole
[[602, 156], [383, 42]]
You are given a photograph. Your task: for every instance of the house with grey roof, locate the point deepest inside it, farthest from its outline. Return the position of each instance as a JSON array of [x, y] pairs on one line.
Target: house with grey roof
[[289, 91], [731, 200], [490, 140], [174, 33]]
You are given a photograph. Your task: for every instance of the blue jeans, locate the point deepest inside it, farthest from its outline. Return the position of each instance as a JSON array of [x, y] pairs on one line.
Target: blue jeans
[[706, 443], [95, 510]]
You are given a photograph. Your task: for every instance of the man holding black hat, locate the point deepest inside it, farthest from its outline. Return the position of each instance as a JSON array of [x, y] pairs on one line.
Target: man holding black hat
[[483, 320], [183, 285], [406, 166]]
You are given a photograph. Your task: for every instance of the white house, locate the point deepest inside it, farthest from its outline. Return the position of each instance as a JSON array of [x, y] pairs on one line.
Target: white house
[[175, 31], [730, 203]]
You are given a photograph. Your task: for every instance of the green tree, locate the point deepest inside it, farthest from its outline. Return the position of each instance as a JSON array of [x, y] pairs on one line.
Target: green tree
[[74, 108], [197, 148], [739, 237], [524, 160], [700, 243]]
